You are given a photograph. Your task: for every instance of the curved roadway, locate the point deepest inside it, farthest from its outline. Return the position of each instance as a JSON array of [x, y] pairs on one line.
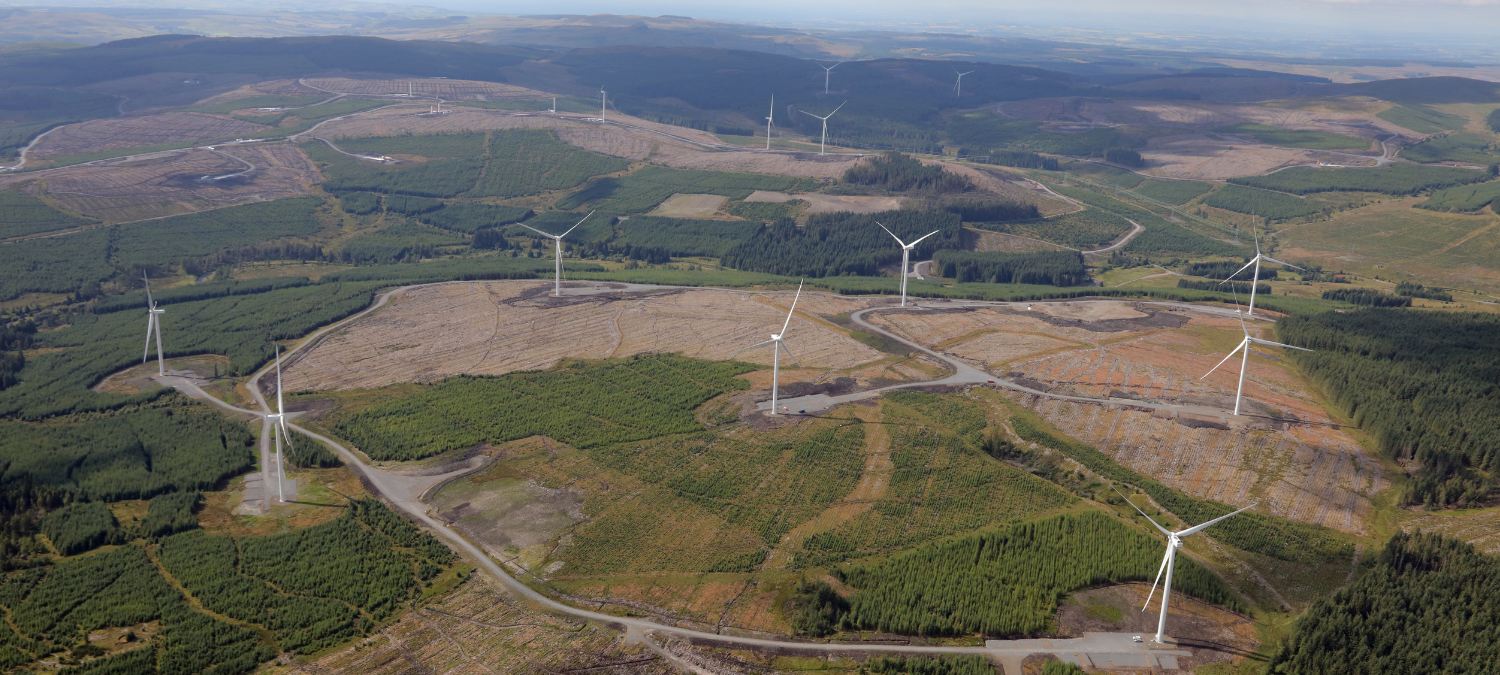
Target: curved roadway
[[406, 493]]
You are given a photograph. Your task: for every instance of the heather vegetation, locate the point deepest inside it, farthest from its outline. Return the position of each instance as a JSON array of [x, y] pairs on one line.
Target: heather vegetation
[[1396, 179]]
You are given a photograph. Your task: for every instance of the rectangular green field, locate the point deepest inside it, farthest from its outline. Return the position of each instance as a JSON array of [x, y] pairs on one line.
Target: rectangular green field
[[1290, 138]]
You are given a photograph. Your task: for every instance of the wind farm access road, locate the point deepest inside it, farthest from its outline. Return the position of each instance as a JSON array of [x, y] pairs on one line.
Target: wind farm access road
[[406, 492]]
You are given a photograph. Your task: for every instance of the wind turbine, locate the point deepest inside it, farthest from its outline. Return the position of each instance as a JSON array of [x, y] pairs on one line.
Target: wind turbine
[[1174, 542], [777, 346], [278, 424], [1256, 262], [824, 142], [153, 324], [601, 105], [827, 71], [557, 279], [1245, 345], [905, 253], [959, 85], [768, 121]]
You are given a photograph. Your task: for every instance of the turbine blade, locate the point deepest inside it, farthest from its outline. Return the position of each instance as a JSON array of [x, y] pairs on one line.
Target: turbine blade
[[1159, 571], [1278, 344], [841, 105], [1256, 232], [287, 434], [1138, 510], [575, 226], [149, 301], [278, 380], [893, 235], [1278, 262], [929, 234], [150, 322], [1237, 272], [811, 115], [767, 342], [1232, 352], [1199, 528], [788, 351], [793, 309], [544, 234]]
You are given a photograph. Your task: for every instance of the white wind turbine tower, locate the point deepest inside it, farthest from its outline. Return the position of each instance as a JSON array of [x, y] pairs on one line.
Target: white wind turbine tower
[[768, 121], [905, 254], [601, 106], [1256, 262], [827, 71], [777, 346], [278, 424], [557, 278], [824, 142], [959, 85], [153, 324], [1245, 360], [1168, 562]]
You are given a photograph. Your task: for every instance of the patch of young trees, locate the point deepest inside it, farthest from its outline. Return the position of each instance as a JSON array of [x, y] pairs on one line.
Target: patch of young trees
[[834, 244], [1047, 268], [902, 173]]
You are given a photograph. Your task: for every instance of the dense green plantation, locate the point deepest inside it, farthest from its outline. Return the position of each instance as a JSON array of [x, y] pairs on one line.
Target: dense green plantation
[[240, 326], [582, 404], [1273, 206], [1396, 179], [1423, 119], [1088, 229], [1463, 199], [464, 217], [76, 528], [984, 132], [128, 455], [54, 607], [1051, 268], [525, 162], [60, 265], [173, 240], [1230, 270], [922, 665], [493, 164], [1312, 140], [22, 214], [1162, 237], [843, 243], [682, 236], [1177, 192], [1366, 297], [641, 190], [1017, 158], [1251, 531], [896, 171], [1426, 605], [401, 242], [1454, 147], [309, 589], [1421, 383], [1009, 581]]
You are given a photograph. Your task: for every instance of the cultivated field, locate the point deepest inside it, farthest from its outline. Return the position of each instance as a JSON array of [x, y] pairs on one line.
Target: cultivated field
[[689, 206], [475, 630], [132, 132], [821, 203], [1301, 466], [448, 90], [430, 333], [168, 184], [985, 240]]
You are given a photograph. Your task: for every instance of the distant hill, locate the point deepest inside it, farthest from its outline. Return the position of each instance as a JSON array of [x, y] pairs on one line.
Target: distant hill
[[1427, 90], [268, 57]]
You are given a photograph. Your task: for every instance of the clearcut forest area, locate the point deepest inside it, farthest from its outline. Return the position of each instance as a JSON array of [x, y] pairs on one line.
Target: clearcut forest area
[[476, 406]]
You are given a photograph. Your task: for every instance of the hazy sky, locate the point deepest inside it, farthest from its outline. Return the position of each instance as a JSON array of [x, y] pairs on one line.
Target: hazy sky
[[1342, 19]]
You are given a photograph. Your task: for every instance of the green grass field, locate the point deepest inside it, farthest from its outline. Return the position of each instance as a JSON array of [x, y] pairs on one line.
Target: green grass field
[[1422, 119], [1289, 138], [1462, 199], [1177, 192], [1454, 147]]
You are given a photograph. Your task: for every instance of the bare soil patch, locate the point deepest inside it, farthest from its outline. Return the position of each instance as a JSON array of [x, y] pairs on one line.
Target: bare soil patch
[[1203, 157], [169, 184], [689, 206], [433, 332], [821, 203], [985, 240], [1213, 635], [131, 132], [1198, 116]]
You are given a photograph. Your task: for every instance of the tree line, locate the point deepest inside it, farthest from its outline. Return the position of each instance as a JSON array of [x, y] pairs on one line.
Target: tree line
[[1046, 268], [834, 244], [1422, 384]]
